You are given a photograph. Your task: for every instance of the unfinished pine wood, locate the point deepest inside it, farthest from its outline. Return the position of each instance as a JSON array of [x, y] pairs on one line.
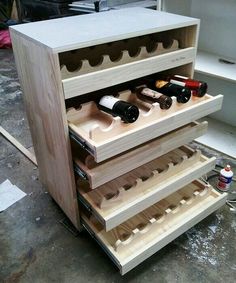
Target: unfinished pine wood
[[72, 59], [136, 227], [39, 73], [132, 159], [127, 195], [129, 245], [122, 73], [105, 61], [81, 31], [108, 136]]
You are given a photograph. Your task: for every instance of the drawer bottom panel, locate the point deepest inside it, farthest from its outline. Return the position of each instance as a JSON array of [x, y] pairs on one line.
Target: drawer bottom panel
[[128, 245]]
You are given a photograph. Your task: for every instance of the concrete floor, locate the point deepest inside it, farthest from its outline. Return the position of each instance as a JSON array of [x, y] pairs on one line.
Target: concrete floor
[[36, 247]]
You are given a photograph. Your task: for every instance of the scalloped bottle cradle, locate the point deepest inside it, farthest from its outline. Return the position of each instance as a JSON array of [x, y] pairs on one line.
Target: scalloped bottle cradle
[[107, 136], [141, 236], [118, 200]]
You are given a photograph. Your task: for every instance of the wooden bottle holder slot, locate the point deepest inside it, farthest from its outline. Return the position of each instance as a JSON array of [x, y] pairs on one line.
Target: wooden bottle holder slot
[[147, 175], [136, 227], [189, 196], [106, 61], [133, 230], [90, 69], [134, 158], [98, 129], [146, 233], [120, 199]]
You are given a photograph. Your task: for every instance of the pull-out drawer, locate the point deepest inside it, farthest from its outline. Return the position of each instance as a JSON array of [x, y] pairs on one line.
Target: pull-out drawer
[[122, 198], [105, 136], [141, 236], [98, 174]]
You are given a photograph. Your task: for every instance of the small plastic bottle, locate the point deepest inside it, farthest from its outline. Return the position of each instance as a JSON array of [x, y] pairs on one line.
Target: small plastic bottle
[[225, 178]]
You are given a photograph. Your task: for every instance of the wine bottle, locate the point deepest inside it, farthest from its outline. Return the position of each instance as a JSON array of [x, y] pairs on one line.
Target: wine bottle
[[198, 88], [126, 111], [182, 94], [164, 101]]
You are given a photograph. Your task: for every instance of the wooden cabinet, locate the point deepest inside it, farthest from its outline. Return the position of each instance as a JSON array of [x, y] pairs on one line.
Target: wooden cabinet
[[134, 187]]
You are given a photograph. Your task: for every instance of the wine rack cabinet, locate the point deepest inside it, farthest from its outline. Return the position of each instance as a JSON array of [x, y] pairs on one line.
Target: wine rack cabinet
[[133, 187]]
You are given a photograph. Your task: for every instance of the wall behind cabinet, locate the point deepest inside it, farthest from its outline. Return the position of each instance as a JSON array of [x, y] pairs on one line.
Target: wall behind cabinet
[[217, 35], [218, 23]]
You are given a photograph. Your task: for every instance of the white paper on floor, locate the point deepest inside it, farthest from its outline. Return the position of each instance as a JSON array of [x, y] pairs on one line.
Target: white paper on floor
[[9, 194]]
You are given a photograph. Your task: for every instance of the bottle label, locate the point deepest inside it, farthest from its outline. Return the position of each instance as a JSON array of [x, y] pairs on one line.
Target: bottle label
[[160, 83], [108, 101], [151, 93], [181, 77], [177, 82], [224, 182]]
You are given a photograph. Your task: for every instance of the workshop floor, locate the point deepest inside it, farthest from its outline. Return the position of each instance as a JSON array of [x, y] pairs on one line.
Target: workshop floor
[[36, 247]]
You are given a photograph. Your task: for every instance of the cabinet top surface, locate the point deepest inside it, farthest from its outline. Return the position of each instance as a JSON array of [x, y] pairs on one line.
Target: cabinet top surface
[[92, 29]]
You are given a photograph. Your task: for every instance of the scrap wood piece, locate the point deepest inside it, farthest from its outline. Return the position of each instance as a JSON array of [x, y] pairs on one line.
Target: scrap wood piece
[[19, 146]]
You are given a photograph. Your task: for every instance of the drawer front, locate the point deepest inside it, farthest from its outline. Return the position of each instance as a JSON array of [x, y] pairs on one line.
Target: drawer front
[[137, 239], [92, 171], [105, 136], [112, 76], [118, 200]]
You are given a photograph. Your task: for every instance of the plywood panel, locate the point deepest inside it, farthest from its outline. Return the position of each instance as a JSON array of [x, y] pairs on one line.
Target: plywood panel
[[39, 74], [87, 30]]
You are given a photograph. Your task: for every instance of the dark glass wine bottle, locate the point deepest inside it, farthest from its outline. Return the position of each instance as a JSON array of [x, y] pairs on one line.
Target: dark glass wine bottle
[[126, 111], [182, 94], [198, 88], [164, 101]]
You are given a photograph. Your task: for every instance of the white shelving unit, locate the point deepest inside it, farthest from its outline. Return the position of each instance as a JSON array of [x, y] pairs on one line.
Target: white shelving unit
[[220, 136], [211, 64], [216, 41]]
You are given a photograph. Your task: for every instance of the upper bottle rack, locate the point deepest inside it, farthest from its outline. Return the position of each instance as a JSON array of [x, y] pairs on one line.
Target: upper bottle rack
[[118, 53], [96, 67]]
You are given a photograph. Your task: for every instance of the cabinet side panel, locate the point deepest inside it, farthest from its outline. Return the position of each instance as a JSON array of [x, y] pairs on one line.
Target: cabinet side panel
[[188, 37], [38, 70]]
